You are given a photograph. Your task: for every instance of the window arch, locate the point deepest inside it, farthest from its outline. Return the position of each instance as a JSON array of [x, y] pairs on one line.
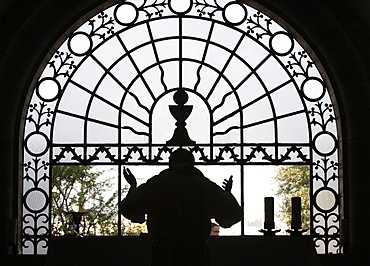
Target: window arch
[[251, 94]]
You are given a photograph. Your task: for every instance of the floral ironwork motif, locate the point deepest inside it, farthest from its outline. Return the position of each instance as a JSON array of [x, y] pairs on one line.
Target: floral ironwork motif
[[113, 73]]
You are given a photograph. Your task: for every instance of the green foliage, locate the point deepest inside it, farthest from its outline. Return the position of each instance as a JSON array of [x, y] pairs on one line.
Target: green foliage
[[81, 188], [133, 229], [293, 181], [78, 188]]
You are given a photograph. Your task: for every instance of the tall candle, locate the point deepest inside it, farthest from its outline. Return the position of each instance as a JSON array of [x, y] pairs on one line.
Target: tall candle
[[296, 213], [269, 213]]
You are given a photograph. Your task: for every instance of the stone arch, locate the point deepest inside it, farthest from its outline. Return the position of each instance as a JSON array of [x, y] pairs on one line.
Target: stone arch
[[82, 72], [341, 24]]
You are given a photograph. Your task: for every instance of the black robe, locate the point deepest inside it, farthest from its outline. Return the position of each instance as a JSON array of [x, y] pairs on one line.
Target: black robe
[[179, 204]]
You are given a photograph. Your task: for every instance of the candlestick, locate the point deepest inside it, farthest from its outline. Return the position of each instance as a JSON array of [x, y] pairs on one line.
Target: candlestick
[[296, 222], [75, 222], [269, 213], [269, 224]]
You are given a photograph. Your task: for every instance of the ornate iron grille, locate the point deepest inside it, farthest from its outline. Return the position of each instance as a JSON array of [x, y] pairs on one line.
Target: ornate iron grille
[[255, 97]]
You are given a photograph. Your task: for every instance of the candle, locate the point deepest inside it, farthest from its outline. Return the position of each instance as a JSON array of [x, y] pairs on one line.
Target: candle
[[296, 213], [269, 213]]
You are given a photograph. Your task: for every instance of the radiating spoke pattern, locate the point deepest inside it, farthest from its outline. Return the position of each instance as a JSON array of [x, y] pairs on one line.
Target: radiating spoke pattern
[[253, 95]]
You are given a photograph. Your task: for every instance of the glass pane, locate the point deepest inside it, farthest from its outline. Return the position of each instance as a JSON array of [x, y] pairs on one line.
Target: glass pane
[[282, 183], [68, 129]]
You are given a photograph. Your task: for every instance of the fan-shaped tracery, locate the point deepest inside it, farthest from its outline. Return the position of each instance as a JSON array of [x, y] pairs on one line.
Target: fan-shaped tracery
[[255, 96]]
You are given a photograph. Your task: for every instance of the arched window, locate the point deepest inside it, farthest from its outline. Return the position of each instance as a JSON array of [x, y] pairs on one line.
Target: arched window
[[142, 78]]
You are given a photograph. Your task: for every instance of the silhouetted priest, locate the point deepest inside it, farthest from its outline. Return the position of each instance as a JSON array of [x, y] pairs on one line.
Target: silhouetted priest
[[179, 203]]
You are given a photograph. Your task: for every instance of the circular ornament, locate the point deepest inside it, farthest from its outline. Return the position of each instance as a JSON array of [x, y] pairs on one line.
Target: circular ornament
[[281, 43], [235, 13], [80, 43], [126, 14], [48, 89], [36, 143]]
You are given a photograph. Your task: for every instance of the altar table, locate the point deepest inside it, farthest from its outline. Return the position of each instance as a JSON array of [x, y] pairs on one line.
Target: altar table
[[225, 251]]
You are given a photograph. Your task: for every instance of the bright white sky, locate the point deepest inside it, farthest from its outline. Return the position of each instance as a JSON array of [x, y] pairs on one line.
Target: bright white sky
[[258, 184]]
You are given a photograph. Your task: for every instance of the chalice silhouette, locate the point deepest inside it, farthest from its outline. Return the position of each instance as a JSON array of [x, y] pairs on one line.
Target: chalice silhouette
[[180, 112]]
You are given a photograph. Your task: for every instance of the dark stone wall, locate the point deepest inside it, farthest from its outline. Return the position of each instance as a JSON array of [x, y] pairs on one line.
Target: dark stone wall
[[336, 32]]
